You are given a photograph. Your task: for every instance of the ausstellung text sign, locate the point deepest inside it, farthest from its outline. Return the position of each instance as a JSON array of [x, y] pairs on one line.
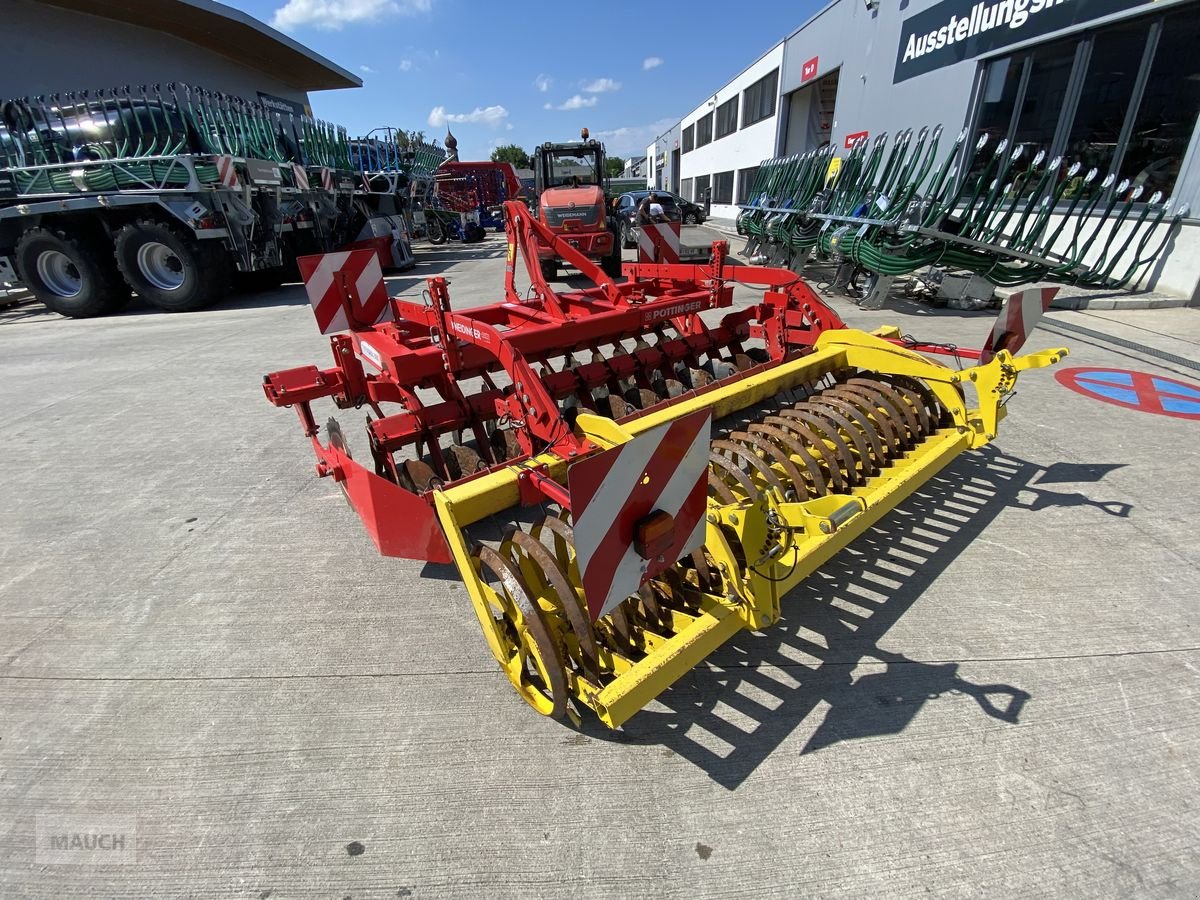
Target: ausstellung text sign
[[955, 30]]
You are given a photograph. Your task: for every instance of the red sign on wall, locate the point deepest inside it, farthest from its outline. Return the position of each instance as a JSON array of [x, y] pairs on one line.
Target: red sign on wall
[[808, 70], [852, 139]]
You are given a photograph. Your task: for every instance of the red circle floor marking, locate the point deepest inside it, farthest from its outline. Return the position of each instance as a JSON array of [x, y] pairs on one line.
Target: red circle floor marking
[[1134, 390]]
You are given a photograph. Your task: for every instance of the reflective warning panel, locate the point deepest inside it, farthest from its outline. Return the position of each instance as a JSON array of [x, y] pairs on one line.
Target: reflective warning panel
[[639, 507], [1135, 390]]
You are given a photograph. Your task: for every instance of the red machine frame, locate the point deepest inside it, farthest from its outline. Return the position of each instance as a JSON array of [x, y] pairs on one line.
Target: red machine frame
[[431, 346]]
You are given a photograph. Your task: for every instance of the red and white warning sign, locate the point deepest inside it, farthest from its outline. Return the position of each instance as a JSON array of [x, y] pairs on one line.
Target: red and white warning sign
[[639, 507], [1017, 320], [658, 243], [345, 289], [300, 176], [226, 171], [327, 178]]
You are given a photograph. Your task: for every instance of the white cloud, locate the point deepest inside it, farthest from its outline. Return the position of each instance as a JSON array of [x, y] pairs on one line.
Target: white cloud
[[576, 102], [543, 82], [366, 70], [333, 15], [632, 140], [601, 86], [651, 62], [492, 116], [406, 65]]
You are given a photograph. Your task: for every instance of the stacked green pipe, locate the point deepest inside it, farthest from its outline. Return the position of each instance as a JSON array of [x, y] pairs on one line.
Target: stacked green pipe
[[892, 208]]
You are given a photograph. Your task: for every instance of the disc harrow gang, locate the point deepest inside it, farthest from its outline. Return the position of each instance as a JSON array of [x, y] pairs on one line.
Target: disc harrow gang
[[658, 541]]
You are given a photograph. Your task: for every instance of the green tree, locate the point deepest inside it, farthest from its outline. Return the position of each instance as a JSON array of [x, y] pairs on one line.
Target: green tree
[[511, 153], [406, 139], [615, 166]]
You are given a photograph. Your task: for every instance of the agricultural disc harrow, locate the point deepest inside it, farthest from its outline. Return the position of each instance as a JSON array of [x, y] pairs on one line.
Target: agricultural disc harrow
[[695, 469]]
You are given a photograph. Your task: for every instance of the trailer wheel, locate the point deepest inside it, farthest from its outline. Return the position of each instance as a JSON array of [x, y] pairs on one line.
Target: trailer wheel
[[168, 270], [611, 264], [549, 269], [72, 276], [436, 231]]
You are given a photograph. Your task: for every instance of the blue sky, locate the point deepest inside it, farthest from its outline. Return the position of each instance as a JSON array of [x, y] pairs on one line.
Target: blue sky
[[526, 72]]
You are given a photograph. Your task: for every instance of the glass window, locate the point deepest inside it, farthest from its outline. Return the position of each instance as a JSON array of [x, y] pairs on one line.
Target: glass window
[[1103, 105], [704, 130], [760, 99], [745, 183], [1045, 93], [701, 184], [689, 138], [723, 187], [1002, 81], [1026, 96], [727, 117], [1166, 117], [685, 188]]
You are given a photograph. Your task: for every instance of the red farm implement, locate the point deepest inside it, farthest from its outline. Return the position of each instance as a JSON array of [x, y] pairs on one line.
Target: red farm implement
[[700, 458]]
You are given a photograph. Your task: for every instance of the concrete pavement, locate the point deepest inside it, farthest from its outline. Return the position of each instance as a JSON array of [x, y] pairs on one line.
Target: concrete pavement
[[992, 693]]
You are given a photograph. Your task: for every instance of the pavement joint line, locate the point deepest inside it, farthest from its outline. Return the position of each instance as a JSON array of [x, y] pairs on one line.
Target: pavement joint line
[[1125, 324], [1129, 345], [867, 660], [1104, 344]]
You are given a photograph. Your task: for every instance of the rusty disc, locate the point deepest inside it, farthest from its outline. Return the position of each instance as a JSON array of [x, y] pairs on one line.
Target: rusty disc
[[720, 488], [568, 600], [828, 429], [792, 446], [615, 406], [873, 416], [545, 687], [419, 473], [895, 402], [463, 461], [505, 443], [772, 449], [834, 415], [792, 425], [865, 427], [726, 466], [922, 399], [754, 460]]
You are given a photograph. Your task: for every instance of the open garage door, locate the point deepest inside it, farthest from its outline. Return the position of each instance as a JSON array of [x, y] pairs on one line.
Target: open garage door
[[810, 114]]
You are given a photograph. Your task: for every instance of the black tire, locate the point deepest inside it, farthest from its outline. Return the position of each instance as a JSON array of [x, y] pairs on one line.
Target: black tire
[[549, 269], [77, 277], [611, 264], [691, 219], [437, 231], [168, 270]]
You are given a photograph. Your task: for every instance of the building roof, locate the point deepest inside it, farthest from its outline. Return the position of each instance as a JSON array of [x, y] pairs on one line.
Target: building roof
[[226, 31]]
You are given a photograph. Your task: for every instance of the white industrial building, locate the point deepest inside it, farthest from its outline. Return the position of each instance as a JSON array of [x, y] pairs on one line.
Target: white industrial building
[[1112, 83]]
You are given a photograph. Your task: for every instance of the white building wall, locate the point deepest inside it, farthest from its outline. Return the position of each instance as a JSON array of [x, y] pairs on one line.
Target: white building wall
[[745, 147]]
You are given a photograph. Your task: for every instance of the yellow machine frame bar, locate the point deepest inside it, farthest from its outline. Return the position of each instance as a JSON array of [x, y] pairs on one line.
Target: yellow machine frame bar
[[753, 590]]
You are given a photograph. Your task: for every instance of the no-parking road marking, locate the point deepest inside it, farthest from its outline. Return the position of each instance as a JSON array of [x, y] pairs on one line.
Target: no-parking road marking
[[1134, 390]]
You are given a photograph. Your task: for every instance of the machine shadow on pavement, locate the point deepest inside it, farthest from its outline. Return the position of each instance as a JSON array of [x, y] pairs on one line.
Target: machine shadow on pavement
[[728, 716]]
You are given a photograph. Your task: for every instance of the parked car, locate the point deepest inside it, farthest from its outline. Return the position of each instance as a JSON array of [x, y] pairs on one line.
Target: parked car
[[693, 213], [626, 206]]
